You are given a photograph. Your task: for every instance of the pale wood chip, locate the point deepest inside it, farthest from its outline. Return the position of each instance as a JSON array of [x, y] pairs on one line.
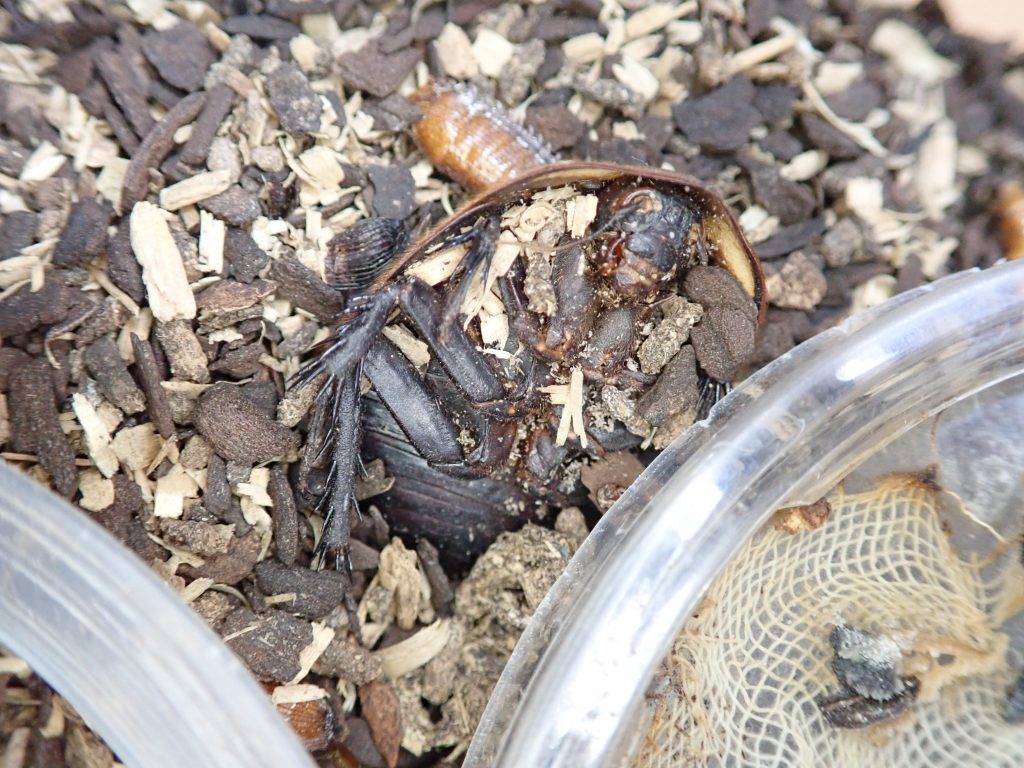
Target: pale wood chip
[[97, 436], [398, 573], [805, 166], [584, 49], [163, 270], [45, 161], [580, 213], [196, 589], [195, 188], [935, 171], [637, 77], [415, 651], [684, 33], [836, 76], [12, 665], [456, 53], [212, 232], [492, 52], [414, 349], [439, 266], [655, 17], [297, 694], [505, 254], [137, 446], [110, 180], [911, 53], [322, 636], [171, 491], [97, 490]]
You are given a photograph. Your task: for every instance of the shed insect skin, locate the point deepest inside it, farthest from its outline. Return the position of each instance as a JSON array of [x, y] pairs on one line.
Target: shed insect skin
[[472, 139], [648, 219]]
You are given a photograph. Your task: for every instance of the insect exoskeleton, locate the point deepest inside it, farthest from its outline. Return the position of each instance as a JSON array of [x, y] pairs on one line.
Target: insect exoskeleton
[[472, 139], [579, 309]]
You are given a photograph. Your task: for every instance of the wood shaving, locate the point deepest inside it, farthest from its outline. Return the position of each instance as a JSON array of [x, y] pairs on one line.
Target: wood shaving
[[212, 232], [412, 653], [163, 270], [417, 352], [97, 435], [297, 693], [455, 53], [195, 188], [572, 411], [439, 266], [580, 213], [322, 636]]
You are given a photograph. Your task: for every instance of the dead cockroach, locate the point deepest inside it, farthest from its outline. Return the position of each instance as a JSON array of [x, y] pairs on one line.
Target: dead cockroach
[[869, 669], [484, 339]]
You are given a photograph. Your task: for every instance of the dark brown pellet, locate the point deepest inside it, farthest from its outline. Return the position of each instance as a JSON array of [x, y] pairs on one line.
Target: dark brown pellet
[[285, 517], [238, 429], [218, 104], [156, 399], [155, 147]]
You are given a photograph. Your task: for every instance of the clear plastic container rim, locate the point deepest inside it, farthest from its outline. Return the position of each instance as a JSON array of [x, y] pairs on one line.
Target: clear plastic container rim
[[129, 654], [571, 694]]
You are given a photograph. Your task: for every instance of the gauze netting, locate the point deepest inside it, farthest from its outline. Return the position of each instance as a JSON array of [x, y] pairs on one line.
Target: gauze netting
[[741, 683]]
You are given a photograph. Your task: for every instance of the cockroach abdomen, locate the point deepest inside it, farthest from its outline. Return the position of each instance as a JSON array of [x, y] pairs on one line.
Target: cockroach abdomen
[[471, 138]]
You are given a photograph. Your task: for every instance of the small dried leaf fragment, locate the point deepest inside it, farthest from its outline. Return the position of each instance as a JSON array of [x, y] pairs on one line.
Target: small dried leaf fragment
[[381, 710]]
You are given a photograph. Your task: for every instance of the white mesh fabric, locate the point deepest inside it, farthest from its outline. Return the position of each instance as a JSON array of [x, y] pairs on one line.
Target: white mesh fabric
[[740, 684]]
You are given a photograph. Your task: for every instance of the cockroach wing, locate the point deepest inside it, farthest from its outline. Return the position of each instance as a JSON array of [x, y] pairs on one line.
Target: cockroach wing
[[357, 257]]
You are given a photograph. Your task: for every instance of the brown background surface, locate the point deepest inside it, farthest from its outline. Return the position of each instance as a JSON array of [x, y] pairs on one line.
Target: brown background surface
[[989, 19]]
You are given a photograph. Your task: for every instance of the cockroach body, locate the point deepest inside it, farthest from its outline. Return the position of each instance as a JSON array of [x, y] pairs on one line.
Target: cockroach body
[[872, 687], [652, 229], [480, 409]]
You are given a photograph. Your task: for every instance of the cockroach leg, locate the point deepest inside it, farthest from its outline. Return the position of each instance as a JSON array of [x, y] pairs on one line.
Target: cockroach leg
[[344, 409], [415, 409], [477, 260]]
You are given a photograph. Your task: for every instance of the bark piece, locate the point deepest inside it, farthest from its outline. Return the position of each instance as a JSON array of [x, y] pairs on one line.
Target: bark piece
[[35, 424], [296, 103], [269, 644], [180, 54], [149, 374], [117, 385], [285, 517]]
